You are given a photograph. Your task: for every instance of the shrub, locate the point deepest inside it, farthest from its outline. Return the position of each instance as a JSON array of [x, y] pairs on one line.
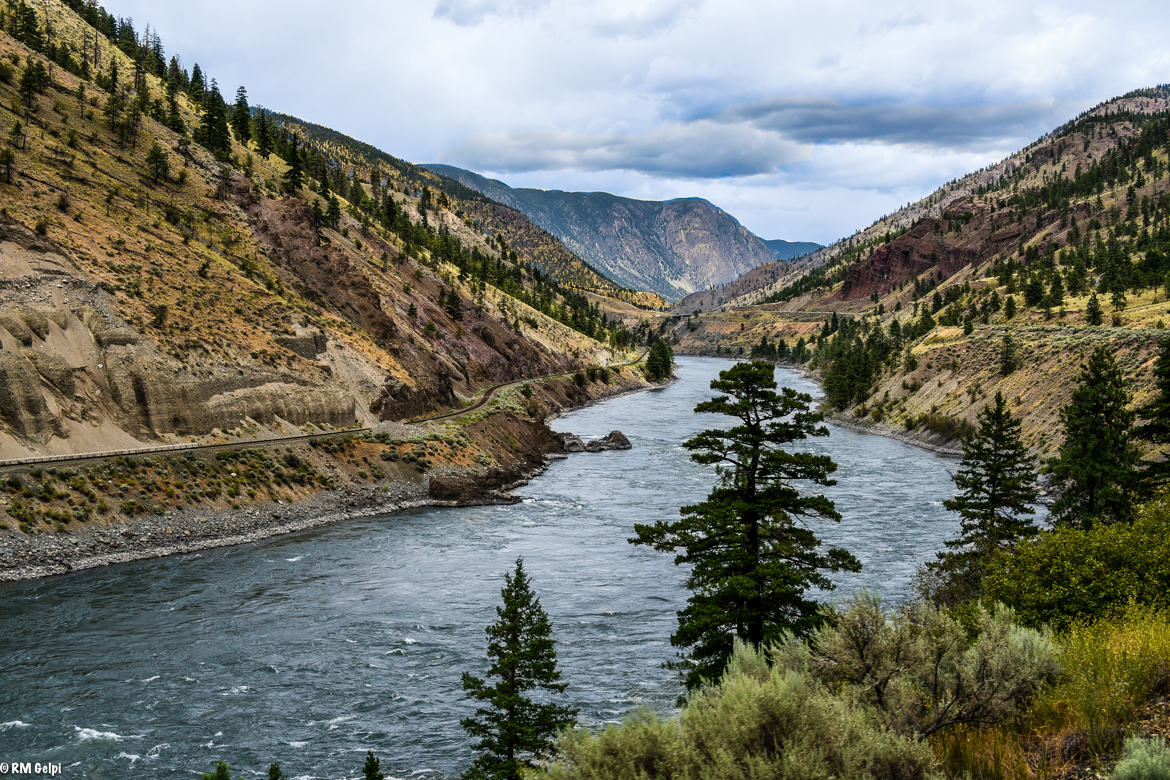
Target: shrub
[[1113, 667], [921, 669], [1144, 759], [757, 722], [1067, 574]]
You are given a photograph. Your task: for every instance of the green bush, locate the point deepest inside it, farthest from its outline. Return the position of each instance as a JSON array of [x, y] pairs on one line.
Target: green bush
[[757, 722], [1068, 574], [1144, 759], [1112, 667], [921, 669]]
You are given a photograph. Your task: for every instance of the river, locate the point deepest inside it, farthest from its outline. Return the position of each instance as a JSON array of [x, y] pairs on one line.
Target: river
[[311, 648]]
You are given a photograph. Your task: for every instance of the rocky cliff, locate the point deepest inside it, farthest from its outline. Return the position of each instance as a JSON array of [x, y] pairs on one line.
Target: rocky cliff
[[670, 247]]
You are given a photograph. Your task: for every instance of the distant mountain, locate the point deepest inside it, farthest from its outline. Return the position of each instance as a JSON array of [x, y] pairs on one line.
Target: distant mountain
[[671, 247], [786, 250]]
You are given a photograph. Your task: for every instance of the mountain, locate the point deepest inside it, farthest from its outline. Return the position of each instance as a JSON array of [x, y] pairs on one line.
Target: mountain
[[787, 250], [908, 320], [166, 279], [669, 247]]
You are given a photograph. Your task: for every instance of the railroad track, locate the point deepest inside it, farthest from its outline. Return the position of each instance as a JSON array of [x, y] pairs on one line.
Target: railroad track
[[165, 449]]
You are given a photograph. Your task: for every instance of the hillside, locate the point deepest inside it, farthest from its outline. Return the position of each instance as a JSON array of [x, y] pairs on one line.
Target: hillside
[[670, 247], [352, 160], [787, 250], [907, 320], [165, 278]]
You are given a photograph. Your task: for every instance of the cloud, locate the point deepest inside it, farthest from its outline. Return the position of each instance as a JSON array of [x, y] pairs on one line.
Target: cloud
[[702, 149], [469, 13], [825, 120]]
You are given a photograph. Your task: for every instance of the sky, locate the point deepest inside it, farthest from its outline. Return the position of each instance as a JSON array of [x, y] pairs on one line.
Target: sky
[[804, 120]]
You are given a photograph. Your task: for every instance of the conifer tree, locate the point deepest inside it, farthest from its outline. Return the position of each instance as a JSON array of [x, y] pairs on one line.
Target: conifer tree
[[196, 86], [333, 212], [1008, 362], [1093, 313], [660, 361], [1095, 472], [996, 484], [1155, 417], [753, 559], [275, 772], [514, 730], [157, 163], [372, 769], [213, 131], [294, 176], [242, 117], [1009, 307], [263, 134]]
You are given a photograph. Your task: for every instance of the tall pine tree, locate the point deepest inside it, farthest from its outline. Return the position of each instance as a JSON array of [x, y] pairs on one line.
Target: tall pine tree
[[1155, 417], [213, 132], [513, 729], [242, 117], [1096, 471], [753, 558], [996, 484], [294, 176]]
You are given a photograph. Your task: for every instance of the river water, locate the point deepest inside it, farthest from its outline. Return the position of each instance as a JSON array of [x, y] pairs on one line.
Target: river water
[[311, 648]]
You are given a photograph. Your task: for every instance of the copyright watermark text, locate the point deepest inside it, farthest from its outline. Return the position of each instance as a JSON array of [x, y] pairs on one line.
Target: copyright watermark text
[[29, 768]]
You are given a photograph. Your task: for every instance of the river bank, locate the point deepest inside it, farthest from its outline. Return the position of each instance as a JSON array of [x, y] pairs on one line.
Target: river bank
[[491, 453]]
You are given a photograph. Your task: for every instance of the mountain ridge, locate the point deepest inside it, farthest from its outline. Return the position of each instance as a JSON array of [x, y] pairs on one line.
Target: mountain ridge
[[670, 247]]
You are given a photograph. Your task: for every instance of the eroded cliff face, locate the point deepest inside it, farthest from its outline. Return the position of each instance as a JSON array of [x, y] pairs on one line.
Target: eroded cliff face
[[75, 376]]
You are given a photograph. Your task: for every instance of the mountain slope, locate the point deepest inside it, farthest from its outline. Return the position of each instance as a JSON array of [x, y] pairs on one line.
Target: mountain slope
[[669, 247], [1059, 249], [787, 250], [355, 160], [153, 290]]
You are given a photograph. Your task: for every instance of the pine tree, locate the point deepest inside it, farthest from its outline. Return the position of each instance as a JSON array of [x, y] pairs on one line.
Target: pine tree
[[157, 163], [213, 131], [196, 86], [294, 176], [513, 730], [753, 559], [1155, 417], [333, 212], [372, 770], [996, 484], [1008, 362], [1095, 472], [660, 361], [242, 117], [275, 772], [1093, 313], [1009, 307], [263, 134]]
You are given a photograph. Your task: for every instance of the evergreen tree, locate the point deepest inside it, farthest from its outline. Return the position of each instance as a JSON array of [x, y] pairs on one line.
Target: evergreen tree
[[752, 556], [454, 306], [294, 176], [33, 81], [372, 770], [196, 86], [996, 484], [333, 212], [1008, 362], [263, 134], [1009, 307], [7, 160], [1093, 313], [660, 361], [1096, 471], [213, 131], [514, 730], [1155, 417], [242, 117], [157, 163], [275, 772]]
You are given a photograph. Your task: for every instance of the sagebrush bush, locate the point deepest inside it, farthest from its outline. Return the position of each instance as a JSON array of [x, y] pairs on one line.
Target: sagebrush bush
[[1067, 575], [757, 722], [1144, 759], [921, 669]]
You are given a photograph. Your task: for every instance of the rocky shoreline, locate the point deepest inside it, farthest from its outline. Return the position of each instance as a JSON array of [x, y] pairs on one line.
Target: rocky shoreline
[[177, 532]]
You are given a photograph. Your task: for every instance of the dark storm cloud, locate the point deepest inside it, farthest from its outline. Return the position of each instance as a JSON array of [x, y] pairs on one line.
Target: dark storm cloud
[[821, 121]]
